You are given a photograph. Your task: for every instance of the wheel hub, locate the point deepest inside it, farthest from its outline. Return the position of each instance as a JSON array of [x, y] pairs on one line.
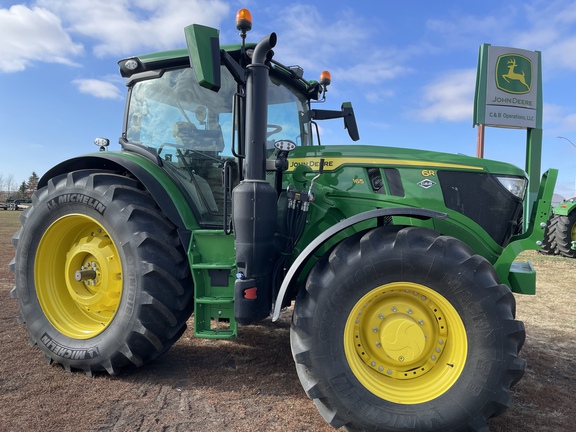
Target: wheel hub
[[397, 334], [405, 342], [402, 339], [89, 265]]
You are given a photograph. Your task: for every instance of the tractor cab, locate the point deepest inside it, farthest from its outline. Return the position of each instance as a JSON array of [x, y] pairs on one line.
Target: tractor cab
[[198, 134]]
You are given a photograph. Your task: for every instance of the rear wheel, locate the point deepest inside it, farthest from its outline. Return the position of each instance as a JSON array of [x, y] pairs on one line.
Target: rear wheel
[[566, 234], [101, 278], [404, 329]]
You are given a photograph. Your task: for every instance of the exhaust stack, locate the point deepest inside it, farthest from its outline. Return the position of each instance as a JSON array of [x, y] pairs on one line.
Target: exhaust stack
[[254, 200]]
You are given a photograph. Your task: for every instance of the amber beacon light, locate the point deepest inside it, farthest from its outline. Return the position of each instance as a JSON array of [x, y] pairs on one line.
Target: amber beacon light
[[325, 78], [244, 20]]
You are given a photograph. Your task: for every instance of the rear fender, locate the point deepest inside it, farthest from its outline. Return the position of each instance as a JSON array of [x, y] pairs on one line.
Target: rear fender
[[301, 260], [173, 203]]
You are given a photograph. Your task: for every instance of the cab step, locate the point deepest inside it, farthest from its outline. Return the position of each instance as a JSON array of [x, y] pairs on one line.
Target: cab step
[[213, 270]]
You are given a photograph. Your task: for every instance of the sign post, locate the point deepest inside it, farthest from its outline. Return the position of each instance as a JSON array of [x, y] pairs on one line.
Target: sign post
[[509, 95]]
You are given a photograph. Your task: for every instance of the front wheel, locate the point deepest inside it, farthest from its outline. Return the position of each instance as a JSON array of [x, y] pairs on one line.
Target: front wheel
[[549, 242], [405, 329], [101, 278]]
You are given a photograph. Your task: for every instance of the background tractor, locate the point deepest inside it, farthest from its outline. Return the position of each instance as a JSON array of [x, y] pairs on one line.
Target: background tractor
[[560, 235], [222, 203]]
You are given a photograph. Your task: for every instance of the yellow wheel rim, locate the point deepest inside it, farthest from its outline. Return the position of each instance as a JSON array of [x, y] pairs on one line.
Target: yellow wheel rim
[[405, 343], [573, 232], [78, 276]]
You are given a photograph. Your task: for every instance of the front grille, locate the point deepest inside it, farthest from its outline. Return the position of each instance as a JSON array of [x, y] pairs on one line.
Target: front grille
[[483, 199]]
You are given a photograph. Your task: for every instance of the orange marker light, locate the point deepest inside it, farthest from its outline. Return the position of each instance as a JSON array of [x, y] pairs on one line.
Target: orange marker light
[[244, 20], [325, 78], [250, 293]]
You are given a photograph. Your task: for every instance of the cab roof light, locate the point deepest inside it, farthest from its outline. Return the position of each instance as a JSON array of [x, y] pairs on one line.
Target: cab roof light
[[129, 67], [131, 64]]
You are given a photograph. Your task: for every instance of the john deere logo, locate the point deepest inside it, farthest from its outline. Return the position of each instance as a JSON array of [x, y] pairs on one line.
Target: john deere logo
[[514, 73]]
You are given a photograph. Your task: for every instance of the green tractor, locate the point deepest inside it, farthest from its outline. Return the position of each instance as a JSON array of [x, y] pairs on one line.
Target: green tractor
[[560, 235], [398, 264]]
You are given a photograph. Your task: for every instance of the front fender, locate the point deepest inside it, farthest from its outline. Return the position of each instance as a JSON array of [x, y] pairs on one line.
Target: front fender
[[565, 208], [313, 246]]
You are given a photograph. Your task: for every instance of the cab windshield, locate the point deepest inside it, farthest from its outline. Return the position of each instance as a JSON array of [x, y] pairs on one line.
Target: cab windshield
[[190, 128]]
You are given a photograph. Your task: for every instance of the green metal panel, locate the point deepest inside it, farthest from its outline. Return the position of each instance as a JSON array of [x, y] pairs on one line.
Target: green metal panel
[[533, 167], [162, 56], [522, 278], [204, 50], [539, 100], [479, 116]]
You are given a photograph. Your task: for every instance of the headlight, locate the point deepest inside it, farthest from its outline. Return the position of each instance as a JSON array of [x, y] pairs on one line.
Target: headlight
[[515, 185]]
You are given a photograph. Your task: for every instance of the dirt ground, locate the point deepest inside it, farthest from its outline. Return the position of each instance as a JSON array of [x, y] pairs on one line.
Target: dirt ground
[[250, 383]]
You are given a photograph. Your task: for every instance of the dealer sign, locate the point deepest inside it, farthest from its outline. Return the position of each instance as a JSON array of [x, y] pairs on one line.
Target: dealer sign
[[508, 88]]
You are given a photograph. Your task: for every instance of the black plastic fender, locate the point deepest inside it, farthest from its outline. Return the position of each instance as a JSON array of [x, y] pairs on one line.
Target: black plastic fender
[[296, 267]]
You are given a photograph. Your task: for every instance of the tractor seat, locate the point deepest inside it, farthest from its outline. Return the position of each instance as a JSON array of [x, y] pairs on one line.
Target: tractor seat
[[203, 140]]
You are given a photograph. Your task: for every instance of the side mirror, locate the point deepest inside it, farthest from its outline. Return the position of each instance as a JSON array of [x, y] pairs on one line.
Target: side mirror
[[204, 52], [350, 121], [346, 112]]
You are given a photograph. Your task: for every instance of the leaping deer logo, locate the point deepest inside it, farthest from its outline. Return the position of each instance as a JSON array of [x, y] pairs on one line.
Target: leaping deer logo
[[511, 75]]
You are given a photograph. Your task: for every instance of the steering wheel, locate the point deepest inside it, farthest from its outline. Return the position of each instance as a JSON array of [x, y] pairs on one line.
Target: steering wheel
[[274, 130]]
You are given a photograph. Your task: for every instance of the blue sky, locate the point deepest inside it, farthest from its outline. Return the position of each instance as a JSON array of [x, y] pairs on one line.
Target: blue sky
[[408, 68]]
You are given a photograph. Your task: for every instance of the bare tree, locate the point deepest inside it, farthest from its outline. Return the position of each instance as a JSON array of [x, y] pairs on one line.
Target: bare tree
[[2, 190], [10, 184]]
